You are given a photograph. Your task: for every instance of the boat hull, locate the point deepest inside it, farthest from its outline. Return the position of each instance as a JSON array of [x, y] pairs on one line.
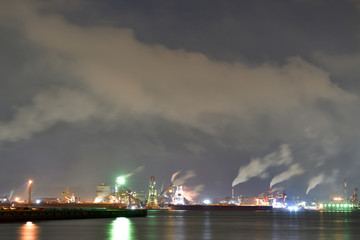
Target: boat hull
[[220, 207]]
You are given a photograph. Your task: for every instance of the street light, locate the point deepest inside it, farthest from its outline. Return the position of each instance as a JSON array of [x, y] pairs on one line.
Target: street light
[[120, 181], [29, 200]]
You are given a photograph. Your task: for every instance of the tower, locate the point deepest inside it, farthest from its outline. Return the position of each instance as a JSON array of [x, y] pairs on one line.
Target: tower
[[345, 191], [152, 198]]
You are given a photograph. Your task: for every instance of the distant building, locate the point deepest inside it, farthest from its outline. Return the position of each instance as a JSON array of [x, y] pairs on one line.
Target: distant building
[[102, 193], [142, 196]]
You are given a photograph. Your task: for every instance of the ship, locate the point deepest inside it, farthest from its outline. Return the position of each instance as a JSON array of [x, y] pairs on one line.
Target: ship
[[220, 207]]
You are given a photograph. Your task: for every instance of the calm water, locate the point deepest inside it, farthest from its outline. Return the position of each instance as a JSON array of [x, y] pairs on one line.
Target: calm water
[[195, 225]]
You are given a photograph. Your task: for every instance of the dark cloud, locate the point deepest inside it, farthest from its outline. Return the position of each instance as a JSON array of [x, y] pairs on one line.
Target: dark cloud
[[254, 31]]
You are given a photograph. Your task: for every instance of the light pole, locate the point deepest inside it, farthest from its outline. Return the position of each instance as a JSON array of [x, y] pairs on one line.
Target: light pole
[[120, 181], [29, 199]]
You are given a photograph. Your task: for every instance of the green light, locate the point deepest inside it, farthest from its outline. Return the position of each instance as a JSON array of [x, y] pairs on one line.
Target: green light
[[120, 180], [121, 228]]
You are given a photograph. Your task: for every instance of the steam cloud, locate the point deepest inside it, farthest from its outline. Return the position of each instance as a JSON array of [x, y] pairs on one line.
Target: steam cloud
[[174, 175], [181, 180], [313, 182], [191, 193], [107, 60], [137, 170], [257, 167], [294, 170], [47, 109]]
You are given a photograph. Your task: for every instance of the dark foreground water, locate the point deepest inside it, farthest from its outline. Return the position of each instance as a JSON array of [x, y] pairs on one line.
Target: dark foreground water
[[195, 225]]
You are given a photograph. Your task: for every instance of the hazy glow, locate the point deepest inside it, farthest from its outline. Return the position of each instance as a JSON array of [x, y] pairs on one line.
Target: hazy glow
[[207, 201], [120, 180], [121, 229]]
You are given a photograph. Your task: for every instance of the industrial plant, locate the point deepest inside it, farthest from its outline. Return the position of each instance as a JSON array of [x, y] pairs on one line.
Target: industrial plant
[[119, 195]]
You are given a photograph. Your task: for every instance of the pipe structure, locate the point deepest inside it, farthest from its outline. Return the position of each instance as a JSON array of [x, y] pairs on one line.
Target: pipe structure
[[29, 198]]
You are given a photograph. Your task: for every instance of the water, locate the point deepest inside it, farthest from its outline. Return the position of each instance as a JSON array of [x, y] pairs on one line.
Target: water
[[183, 225]]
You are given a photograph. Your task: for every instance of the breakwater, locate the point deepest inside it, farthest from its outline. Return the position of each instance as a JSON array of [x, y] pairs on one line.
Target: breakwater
[[29, 214]]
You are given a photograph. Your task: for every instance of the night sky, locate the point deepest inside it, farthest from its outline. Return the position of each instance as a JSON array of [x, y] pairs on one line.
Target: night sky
[[227, 92]]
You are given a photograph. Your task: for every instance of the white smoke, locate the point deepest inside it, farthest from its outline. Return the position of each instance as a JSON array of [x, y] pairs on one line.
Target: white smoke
[[47, 109], [174, 175], [190, 193], [181, 180], [276, 189], [293, 170], [313, 182], [106, 60], [257, 167], [137, 170]]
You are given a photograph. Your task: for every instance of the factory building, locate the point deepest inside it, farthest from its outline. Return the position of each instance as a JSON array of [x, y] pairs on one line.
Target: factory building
[[102, 193]]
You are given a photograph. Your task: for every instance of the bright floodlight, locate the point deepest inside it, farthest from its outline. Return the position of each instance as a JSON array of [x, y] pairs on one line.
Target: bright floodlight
[[207, 201], [120, 180], [30, 181]]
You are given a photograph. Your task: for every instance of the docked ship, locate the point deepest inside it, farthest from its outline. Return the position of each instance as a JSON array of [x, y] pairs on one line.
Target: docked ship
[[220, 207]]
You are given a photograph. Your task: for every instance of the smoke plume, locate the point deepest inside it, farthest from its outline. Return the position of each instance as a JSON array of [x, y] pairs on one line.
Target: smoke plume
[[313, 182], [190, 193], [181, 180], [257, 167], [137, 170], [294, 170], [174, 175], [47, 109]]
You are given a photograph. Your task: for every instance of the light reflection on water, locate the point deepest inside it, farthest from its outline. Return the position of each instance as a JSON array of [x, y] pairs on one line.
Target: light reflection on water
[[121, 229], [181, 225], [28, 231]]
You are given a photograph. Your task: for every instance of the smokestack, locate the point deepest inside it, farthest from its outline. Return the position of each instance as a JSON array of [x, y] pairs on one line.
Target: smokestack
[[345, 191], [232, 192]]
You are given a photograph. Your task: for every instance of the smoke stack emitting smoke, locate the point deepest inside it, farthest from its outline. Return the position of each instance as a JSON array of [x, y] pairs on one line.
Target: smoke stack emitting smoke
[[257, 167]]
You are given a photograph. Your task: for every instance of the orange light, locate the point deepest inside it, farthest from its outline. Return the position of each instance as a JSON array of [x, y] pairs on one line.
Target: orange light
[[30, 182], [338, 199]]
